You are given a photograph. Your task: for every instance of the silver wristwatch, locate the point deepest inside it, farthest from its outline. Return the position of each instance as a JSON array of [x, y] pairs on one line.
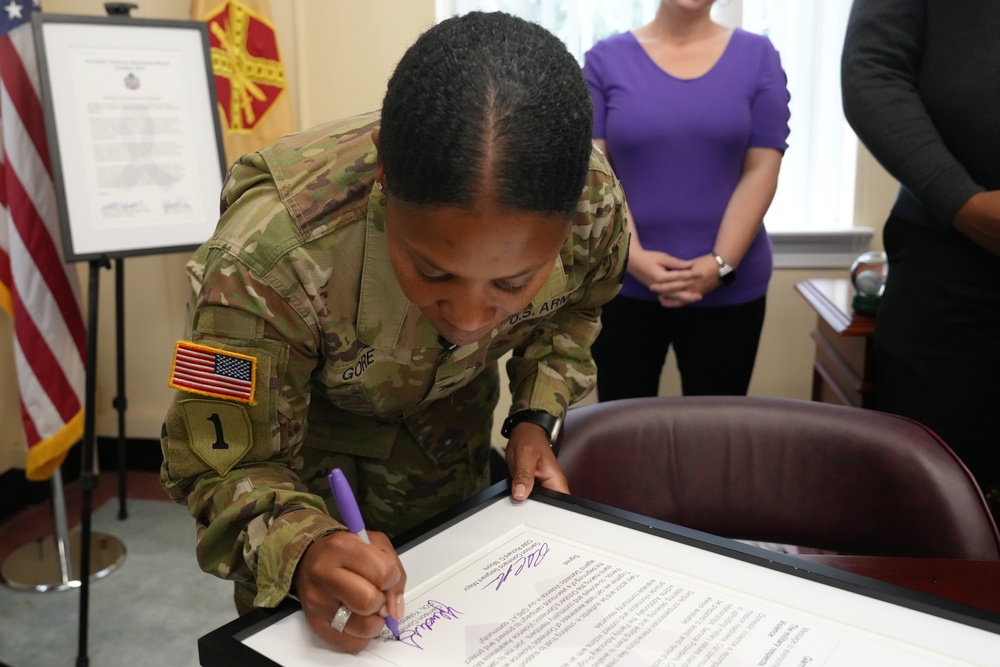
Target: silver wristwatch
[[727, 273]]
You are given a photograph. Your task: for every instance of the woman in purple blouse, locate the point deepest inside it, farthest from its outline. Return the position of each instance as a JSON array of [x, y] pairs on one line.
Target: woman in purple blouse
[[694, 118]]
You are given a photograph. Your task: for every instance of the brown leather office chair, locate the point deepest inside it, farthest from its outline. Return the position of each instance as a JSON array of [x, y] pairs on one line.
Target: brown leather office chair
[[778, 470]]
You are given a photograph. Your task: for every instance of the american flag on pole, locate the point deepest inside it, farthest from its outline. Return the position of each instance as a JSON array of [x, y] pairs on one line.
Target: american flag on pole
[[38, 290], [212, 372]]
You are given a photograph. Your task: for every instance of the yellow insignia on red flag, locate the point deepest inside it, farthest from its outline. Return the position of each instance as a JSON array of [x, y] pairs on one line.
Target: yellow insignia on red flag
[[250, 81]]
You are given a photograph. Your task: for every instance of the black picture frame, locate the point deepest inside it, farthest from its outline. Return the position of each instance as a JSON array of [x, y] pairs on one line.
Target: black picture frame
[[224, 646], [134, 137]]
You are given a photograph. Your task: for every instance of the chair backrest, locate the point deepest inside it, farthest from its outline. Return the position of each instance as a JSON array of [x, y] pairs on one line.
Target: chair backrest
[[778, 470]]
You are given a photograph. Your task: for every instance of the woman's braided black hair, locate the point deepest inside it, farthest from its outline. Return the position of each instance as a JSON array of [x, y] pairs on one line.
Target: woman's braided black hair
[[487, 104]]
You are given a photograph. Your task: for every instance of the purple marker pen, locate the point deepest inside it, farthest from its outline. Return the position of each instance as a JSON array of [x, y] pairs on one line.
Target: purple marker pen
[[351, 514]]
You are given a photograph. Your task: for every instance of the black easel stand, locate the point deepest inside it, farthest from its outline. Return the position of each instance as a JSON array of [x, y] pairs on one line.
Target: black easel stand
[[120, 403], [88, 480]]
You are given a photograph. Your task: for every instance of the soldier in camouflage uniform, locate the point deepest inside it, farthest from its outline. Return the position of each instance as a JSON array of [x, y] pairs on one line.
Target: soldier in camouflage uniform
[[364, 279]]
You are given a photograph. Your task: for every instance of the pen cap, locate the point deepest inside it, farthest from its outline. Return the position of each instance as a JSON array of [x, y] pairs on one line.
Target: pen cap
[[346, 503]]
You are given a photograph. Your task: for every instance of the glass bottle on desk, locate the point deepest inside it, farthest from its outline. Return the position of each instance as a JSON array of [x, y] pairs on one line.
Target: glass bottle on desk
[[868, 274]]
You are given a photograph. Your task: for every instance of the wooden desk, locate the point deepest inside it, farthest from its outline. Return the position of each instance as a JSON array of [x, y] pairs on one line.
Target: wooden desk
[[971, 582], [843, 367]]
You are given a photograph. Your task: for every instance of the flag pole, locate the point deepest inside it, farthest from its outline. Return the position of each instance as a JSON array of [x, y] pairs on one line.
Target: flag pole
[[45, 565], [52, 563], [61, 530]]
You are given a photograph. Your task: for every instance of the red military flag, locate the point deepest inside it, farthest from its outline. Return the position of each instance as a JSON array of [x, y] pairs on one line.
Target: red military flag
[[254, 105], [38, 290]]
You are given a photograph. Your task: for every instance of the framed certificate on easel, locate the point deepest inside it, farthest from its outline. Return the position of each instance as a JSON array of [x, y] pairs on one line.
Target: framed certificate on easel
[[556, 580], [134, 137]]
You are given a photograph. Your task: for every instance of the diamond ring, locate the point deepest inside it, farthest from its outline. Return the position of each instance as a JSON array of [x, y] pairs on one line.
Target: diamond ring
[[340, 618]]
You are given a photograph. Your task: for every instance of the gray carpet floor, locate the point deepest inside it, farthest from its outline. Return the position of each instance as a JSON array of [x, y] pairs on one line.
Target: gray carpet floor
[[150, 611]]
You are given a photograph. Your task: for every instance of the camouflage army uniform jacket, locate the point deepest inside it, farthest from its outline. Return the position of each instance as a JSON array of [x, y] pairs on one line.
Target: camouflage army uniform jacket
[[295, 290]]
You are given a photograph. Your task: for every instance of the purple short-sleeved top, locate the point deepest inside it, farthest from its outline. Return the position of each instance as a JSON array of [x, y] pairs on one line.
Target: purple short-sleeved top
[[678, 146]]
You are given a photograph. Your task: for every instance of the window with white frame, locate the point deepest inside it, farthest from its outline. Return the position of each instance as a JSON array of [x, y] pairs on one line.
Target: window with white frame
[[816, 186], [578, 23]]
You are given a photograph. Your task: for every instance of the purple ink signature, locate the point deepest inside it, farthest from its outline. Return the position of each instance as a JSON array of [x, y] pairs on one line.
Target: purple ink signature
[[530, 559], [442, 612]]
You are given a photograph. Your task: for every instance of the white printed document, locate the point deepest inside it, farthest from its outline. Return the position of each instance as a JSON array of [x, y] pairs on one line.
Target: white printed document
[[536, 584], [136, 144]]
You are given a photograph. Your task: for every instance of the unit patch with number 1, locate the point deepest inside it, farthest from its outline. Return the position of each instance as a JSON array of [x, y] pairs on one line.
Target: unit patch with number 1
[[219, 433]]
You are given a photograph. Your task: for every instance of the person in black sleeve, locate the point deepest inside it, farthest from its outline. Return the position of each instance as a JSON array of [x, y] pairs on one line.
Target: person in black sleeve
[[921, 88]]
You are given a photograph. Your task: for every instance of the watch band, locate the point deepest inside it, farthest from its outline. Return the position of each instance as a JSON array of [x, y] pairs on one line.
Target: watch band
[[546, 420]]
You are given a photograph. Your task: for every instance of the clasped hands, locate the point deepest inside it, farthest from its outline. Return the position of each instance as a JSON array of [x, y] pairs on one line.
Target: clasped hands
[[369, 579], [676, 282]]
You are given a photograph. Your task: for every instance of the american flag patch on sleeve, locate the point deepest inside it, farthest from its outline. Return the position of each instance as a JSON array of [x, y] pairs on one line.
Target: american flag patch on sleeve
[[212, 372]]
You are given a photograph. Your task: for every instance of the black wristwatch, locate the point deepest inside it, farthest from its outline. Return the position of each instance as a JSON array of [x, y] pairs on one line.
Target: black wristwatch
[[547, 421], [727, 273]]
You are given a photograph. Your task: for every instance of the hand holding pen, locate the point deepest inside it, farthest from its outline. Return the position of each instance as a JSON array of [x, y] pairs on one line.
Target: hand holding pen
[[342, 570], [351, 515]]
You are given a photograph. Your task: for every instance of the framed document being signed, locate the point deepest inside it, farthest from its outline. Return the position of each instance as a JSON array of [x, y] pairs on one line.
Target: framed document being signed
[[133, 133], [555, 580]]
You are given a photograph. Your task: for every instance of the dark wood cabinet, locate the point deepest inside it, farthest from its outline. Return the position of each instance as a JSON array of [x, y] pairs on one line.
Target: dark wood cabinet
[[842, 369]]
